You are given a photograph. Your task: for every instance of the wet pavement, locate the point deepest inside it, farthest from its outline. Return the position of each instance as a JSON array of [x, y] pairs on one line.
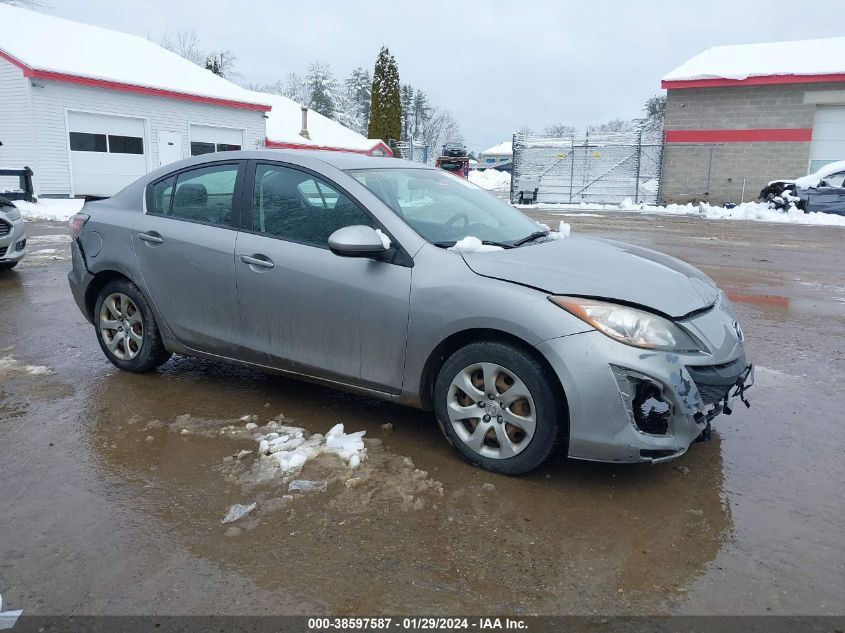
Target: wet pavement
[[110, 505]]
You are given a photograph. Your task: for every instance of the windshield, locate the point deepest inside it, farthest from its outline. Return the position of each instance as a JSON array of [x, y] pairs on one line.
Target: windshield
[[443, 208]]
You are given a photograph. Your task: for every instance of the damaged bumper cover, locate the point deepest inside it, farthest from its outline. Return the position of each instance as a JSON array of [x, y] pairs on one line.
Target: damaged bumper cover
[[635, 405]]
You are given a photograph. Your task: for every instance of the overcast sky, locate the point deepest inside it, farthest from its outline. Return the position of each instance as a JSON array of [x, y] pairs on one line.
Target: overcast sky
[[498, 66]]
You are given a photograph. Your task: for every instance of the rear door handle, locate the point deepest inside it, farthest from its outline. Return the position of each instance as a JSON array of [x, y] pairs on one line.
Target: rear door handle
[[255, 261], [151, 238]]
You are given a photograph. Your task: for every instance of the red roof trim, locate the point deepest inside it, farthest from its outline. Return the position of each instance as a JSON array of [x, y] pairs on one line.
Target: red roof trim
[[26, 69], [763, 80], [740, 136], [283, 145], [122, 87]]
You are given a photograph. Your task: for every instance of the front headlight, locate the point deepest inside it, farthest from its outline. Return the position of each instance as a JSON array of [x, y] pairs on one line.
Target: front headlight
[[631, 326], [13, 213]]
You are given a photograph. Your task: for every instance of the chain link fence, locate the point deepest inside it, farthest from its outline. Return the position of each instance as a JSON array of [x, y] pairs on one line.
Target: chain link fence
[[598, 169]]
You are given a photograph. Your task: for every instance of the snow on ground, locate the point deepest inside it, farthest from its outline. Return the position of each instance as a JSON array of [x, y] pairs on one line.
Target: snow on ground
[[8, 619], [752, 211], [55, 209], [10, 366], [287, 448], [490, 179]]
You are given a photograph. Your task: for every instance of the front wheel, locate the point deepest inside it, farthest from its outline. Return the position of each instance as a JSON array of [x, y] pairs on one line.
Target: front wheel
[[498, 407], [126, 328]]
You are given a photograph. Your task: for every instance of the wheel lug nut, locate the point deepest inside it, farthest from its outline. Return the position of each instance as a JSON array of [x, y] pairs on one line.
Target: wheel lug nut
[[486, 418], [500, 419], [490, 396], [481, 404]]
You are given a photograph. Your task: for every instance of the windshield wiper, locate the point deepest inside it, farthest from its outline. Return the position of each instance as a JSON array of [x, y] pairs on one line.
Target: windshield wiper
[[530, 238], [451, 243]]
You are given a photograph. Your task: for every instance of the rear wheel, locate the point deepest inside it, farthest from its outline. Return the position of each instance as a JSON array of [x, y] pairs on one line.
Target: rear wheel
[[498, 407], [126, 328]]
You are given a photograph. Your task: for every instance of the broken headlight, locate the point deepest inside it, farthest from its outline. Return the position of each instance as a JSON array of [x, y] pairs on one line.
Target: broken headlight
[[631, 326]]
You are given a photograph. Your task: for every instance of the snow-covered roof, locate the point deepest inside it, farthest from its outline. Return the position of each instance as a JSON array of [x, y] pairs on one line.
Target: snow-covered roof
[[505, 147], [45, 46], [738, 62], [284, 123]]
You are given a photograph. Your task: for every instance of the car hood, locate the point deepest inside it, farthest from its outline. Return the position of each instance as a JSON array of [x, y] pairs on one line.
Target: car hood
[[601, 269]]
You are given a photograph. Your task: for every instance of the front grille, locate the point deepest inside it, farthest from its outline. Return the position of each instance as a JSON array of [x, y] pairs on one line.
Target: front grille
[[5, 228], [711, 394], [2, 251], [715, 381]]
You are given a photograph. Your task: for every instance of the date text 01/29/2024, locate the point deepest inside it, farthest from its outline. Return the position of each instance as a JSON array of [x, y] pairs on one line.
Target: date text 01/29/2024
[[415, 624]]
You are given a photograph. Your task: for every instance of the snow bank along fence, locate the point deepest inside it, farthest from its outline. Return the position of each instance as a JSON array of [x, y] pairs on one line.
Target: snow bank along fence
[[600, 169]]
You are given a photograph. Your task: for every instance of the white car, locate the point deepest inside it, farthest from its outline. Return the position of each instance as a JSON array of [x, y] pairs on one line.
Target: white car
[[12, 235]]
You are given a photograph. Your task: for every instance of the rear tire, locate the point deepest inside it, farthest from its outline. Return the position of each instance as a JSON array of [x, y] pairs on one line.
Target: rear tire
[[515, 430], [126, 328]]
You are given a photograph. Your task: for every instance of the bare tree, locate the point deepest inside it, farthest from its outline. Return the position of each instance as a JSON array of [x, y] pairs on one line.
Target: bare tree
[[559, 130], [185, 44], [440, 128]]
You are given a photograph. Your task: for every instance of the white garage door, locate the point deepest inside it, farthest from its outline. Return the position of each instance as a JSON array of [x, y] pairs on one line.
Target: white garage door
[[828, 136], [106, 152], [206, 139]]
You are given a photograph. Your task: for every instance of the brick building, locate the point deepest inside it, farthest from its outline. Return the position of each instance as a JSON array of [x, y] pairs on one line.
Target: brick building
[[744, 115]]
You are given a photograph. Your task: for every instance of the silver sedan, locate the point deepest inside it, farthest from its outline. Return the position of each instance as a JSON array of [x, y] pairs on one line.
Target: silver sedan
[[12, 235], [406, 283]]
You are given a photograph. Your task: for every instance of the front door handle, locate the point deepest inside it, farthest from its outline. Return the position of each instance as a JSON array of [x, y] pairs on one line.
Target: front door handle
[[255, 261], [150, 237]]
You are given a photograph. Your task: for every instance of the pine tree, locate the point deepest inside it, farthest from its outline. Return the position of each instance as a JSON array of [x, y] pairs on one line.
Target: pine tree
[[422, 112], [406, 98], [358, 91], [386, 106], [323, 89]]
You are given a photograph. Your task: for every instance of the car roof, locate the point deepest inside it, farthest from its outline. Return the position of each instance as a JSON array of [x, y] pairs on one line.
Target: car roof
[[339, 160]]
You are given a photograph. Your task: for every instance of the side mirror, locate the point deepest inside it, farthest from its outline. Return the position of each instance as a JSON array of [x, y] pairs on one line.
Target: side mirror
[[357, 241]]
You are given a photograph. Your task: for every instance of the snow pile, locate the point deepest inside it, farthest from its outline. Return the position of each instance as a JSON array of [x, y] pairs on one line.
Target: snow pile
[[750, 211], [471, 244], [53, 209], [385, 241], [289, 449], [813, 180], [490, 179], [562, 232], [8, 619], [808, 57]]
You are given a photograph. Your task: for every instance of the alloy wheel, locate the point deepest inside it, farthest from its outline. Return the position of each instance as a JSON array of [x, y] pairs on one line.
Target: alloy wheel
[[491, 410], [121, 326]]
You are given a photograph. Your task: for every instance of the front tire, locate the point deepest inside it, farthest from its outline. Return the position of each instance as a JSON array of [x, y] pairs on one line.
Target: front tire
[[126, 328], [499, 407]]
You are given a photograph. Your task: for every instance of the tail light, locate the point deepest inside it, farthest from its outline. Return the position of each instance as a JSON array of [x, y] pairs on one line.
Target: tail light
[[76, 223]]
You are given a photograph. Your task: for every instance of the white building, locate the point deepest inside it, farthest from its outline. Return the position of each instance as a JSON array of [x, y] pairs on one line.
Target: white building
[[90, 110], [285, 127], [496, 155]]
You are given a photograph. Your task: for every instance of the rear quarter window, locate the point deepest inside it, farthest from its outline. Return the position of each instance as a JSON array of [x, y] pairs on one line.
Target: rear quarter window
[[159, 196]]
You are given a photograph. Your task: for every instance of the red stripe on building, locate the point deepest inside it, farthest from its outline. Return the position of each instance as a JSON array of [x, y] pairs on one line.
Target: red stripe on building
[[740, 136], [123, 87], [763, 80], [282, 145]]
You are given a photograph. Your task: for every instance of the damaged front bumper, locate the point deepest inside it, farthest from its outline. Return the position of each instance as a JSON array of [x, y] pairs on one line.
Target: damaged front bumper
[[634, 405]]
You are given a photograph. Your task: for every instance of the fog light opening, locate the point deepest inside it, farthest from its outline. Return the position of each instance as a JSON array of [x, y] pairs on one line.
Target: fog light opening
[[651, 411]]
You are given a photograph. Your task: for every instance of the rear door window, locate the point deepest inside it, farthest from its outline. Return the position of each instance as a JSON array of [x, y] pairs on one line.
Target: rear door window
[[203, 195]]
